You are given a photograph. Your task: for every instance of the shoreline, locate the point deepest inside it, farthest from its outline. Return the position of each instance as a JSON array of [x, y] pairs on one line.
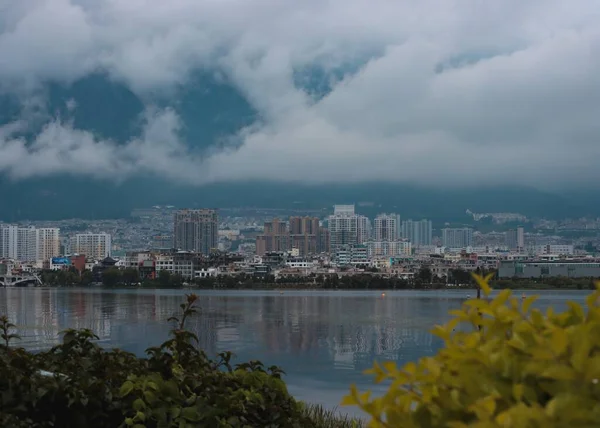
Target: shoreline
[[305, 287]]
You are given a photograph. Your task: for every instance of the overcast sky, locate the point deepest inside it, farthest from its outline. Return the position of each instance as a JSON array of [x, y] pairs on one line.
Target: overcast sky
[[451, 91]]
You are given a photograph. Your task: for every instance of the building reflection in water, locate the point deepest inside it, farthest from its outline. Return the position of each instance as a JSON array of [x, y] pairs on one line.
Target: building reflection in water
[[323, 340]]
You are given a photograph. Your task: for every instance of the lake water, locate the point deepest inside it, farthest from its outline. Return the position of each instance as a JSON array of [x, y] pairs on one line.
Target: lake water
[[323, 340]]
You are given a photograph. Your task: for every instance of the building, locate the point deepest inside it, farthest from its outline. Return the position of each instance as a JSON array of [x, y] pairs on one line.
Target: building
[[347, 228], [304, 235], [352, 255], [386, 227], [47, 243], [196, 230], [515, 239], [389, 248], [19, 243], [541, 269], [275, 237], [323, 244], [558, 249], [97, 246], [419, 233], [457, 237]]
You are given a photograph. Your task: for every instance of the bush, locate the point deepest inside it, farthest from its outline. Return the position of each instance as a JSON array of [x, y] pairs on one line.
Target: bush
[[512, 366], [78, 384]]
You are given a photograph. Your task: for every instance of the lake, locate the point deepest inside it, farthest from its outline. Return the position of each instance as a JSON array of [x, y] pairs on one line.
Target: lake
[[323, 340]]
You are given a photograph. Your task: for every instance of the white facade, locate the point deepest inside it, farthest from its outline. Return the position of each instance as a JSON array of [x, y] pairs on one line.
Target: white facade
[[164, 262], [457, 237], [554, 249], [347, 228], [47, 243], [18, 243], [94, 245], [386, 227], [352, 256], [419, 233]]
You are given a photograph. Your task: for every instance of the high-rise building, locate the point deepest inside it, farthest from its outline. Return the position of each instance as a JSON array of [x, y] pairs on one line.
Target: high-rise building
[[386, 227], [347, 228], [419, 233], [304, 234], [196, 230], [323, 245], [457, 237], [276, 237], [515, 239], [8, 242], [47, 243], [97, 246], [18, 243]]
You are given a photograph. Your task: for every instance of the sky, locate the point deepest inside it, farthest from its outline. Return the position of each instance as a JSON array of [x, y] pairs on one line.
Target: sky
[[449, 92]]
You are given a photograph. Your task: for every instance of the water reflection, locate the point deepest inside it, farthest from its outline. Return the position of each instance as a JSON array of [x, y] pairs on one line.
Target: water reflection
[[323, 340]]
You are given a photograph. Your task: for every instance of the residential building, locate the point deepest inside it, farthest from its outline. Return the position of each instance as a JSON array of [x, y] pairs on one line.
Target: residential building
[[389, 248], [457, 237], [558, 249], [419, 233], [515, 239], [47, 243], [196, 230], [386, 227], [8, 242], [18, 243], [97, 246], [304, 235], [323, 245], [352, 255], [275, 237], [347, 228]]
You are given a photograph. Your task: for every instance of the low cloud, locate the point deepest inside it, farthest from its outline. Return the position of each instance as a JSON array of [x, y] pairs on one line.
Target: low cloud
[[448, 92]]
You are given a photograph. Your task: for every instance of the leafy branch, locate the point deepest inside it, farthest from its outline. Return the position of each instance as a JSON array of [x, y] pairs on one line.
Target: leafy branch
[[6, 327]]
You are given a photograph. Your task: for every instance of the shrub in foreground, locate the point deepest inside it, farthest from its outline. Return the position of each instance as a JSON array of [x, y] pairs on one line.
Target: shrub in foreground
[[503, 365], [78, 384]]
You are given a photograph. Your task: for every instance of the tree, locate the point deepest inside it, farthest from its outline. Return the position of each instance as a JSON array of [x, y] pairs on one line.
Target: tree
[[111, 277], [424, 275], [86, 277], [510, 366], [164, 278], [131, 276]]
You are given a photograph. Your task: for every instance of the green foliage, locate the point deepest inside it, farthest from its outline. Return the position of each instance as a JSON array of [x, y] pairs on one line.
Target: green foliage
[[79, 384], [7, 329], [111, 277], [504, 365]]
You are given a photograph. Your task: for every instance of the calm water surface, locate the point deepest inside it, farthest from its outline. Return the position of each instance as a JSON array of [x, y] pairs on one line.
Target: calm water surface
[[323, 340]]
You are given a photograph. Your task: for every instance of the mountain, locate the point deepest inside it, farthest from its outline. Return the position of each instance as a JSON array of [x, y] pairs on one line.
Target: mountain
[[212, 111]]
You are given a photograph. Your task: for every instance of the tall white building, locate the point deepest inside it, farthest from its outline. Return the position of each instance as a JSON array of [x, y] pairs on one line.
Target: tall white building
[[18, 243], [419, 233], [47, 243], [8, 242], [347, 228], [457, 237], [386, 227], [93, 245]]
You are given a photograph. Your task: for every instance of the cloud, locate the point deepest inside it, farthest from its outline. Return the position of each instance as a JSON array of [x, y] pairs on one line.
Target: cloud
[[451, 92]]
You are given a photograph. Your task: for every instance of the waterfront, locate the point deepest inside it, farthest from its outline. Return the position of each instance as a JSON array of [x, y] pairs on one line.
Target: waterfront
[[322, 339]]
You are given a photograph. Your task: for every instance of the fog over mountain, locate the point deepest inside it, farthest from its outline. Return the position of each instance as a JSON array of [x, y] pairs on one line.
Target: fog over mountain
[[140, 101]]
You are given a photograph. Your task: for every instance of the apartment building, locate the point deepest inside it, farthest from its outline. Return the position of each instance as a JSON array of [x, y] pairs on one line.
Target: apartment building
[[347, 228], [96, 246], [196, 230]]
